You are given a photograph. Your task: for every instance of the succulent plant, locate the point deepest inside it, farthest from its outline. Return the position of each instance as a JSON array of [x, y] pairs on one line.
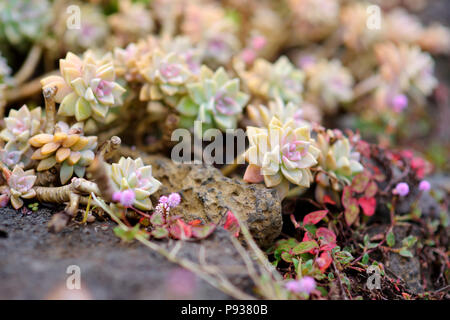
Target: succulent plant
[[280, 79], [20, 185], [10, 155], [312, 20], [261, 115], [337, 158], [68, 147], [354, 31], [92, 32], [280, 153], [132, 22], [21, 125], [93, 83], [329, 84], [406, 68], [215, 100], [129, 174], [166, 77], [23, 20]]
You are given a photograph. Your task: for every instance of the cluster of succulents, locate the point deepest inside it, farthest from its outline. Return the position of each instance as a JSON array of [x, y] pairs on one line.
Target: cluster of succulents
[[66, 147], [215, 100], [129, 174], [329, 84], [280, 79], [20, 125], [337, 159], [261, 115], [87, 87], [281, 153], [24, 20], [20, 185]]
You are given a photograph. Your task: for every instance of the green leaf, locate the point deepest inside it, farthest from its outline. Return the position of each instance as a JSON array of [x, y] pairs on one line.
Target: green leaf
[[187, 107], [311, 229], [65, 172], [160, 233], [365, 259], [305, 246], [390, 239], [67, 106], [360, 182], [351, 212], [82, 109], [409, 241], [286, 256], [406, 253]]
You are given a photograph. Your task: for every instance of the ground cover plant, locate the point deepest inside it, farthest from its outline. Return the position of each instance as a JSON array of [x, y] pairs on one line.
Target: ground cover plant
[[336, 106]]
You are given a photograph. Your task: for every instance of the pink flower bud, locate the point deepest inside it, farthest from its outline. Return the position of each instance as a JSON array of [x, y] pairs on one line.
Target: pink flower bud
[[174, 199], [116, 196], [401, 189], [259, 42], [399, 102], [163, 199], [127, 198], [424, 186], [304, 285]]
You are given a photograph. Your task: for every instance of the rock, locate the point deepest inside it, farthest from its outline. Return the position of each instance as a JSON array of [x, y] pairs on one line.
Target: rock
[[34, 263], [208, 195]]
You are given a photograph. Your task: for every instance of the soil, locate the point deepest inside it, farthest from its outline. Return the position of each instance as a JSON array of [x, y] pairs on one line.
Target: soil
[[33, 262]]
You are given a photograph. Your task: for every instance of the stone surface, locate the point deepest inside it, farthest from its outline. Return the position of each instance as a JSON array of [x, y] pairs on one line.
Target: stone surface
[[33, 263], [208, 195]]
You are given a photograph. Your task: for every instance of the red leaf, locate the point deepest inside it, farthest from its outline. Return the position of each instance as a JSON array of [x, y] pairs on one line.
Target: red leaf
[[180, 230], [351, 212], [346, 196], [314, 217], [327, 199], [307, 237], [195, 222], [371, 190], [203, 231], [232, 224], [368, 205], [324, 260], [328, 240], [360, 182]]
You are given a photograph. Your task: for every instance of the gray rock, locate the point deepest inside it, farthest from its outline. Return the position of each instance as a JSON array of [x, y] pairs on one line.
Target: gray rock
[[208, 195]]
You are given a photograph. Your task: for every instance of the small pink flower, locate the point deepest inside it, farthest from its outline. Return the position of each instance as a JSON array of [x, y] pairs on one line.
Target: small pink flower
[[424, 186], [163, 199], [304, 285], [259, 42], [127, 198], [399, 102], [116, 196], [248, 55], [174, 200], [402, 189]]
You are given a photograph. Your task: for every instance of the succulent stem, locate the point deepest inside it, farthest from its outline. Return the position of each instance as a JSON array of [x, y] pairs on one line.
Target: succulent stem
[[50, 109]]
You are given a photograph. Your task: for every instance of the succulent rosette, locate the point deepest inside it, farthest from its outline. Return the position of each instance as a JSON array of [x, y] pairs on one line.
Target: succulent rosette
[[280, 79], [406, 68], [215, 100], [329, 84], [23, 20], [67, 147], [280, 154], [21, 125], [129, 174], [20, 185], [87, 87], [166, 77], [337, 158], [261, 115]]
